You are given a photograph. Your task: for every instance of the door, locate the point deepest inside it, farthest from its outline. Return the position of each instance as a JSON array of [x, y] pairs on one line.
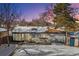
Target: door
[[72, 41]]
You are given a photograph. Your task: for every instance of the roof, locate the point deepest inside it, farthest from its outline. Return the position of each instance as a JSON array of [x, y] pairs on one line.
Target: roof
[[29, 29], [54, 30], [3, 29]]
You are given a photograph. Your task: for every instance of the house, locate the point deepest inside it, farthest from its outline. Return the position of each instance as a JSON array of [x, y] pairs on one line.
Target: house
[[3, 35], [30, 34], [37, 34]]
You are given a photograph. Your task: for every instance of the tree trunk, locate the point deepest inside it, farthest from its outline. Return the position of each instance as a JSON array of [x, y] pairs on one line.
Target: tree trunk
[[66, 38], [0, 38], [8, 42]]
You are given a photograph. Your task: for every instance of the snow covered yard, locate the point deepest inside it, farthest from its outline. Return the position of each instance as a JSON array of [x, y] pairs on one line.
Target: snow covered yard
[[46, 50]]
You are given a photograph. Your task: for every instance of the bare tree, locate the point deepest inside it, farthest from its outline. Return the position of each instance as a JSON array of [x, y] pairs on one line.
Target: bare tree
[[48, 16], [23, 22], [8, 16]]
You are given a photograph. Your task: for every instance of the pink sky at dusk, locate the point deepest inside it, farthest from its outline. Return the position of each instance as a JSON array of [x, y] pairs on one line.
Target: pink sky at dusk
[[76, 5], [31, 11]]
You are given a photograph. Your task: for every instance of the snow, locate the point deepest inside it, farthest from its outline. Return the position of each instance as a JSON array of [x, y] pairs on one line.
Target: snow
[[2, 29], [29, 29], [32, 51], [20, 52], [46, 50]]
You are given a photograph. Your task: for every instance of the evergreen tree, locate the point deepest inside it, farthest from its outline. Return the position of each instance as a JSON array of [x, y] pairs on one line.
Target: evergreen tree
[[63, 17]]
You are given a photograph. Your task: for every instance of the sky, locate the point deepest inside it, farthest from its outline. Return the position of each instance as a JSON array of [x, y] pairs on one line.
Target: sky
[[76, 5], [31, 11]]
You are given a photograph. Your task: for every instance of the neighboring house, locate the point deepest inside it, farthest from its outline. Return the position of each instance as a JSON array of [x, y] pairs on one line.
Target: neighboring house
[[33, 34], [73, 39], [3, 35]]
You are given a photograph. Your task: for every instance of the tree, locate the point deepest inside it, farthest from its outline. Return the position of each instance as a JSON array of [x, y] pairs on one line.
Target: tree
[[8, 15], [39, 22], [23, 22], [48, 16], [1, 20], [1, 16], [63, 17]]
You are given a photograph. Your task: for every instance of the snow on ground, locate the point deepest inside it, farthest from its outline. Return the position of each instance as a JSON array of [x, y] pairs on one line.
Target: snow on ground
[[46, 50]]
